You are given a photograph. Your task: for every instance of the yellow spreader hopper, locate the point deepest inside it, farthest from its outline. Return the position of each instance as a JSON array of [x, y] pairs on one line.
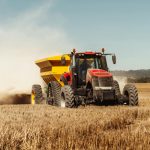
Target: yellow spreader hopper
[[51, 68]]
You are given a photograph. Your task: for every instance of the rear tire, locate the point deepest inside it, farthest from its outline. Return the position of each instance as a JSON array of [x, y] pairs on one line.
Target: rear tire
[[131, 93], [53, 97], [50, 98], [36, 94], [67, 96]]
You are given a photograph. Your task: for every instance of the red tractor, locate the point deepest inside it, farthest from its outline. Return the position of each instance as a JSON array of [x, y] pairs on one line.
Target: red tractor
[[87, 81]]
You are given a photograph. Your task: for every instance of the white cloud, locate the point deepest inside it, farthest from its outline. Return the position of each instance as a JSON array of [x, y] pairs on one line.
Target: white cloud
[[22, 41]]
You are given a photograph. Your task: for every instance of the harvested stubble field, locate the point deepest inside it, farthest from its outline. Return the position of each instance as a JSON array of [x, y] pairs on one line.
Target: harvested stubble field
[[90, 127]]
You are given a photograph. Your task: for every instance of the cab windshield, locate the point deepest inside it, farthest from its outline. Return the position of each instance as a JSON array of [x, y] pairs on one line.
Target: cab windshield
[[91, 62]]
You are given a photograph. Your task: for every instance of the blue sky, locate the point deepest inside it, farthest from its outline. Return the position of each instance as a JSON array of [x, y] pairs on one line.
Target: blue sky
[[30, 30], [119, 26]]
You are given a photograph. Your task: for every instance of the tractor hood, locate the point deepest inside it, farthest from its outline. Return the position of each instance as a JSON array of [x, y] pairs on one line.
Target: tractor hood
[[99, 73]]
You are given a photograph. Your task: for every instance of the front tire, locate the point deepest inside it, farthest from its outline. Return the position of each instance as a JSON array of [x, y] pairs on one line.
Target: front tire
[[131, 93], [117, 88], [117, 92], [67, 96]]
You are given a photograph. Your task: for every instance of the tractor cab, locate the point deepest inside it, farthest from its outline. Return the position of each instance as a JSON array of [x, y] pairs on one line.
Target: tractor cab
[[88, 60]]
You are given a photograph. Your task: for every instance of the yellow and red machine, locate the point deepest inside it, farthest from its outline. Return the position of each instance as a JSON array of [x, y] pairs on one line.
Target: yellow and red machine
[[81, 78]]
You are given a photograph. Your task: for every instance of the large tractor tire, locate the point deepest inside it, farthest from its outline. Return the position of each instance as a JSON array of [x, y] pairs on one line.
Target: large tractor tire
[[54, 97], [131, 93], [117, 92], [50, 97], [117, 88], [67, 97], [36, 94]]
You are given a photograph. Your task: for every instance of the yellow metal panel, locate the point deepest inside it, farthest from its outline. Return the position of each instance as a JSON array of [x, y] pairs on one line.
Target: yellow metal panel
[[51, 68], [56, 70], [44, 64], [60, 69], [54, 58], [47, 77]]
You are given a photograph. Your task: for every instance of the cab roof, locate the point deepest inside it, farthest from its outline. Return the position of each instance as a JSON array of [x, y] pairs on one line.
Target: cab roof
[[89, 53]]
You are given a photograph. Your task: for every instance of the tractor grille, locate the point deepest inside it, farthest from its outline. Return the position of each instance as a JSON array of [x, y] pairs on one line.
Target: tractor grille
[[106, 81]]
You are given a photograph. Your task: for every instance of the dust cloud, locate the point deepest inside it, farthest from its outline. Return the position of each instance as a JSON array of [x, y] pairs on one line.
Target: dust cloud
[[22, 41], [14, 99], [122, 81]]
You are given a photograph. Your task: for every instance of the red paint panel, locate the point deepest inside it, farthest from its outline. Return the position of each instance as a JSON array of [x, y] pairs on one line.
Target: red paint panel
[[68, 75], [99, 73], [87, 53]]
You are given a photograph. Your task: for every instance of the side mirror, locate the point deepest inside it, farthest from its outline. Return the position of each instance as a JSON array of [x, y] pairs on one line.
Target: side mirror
[[114, 59], [63, 60]]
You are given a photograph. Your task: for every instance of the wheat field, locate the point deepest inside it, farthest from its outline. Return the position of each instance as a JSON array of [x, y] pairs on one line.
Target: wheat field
[[44, 127]]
